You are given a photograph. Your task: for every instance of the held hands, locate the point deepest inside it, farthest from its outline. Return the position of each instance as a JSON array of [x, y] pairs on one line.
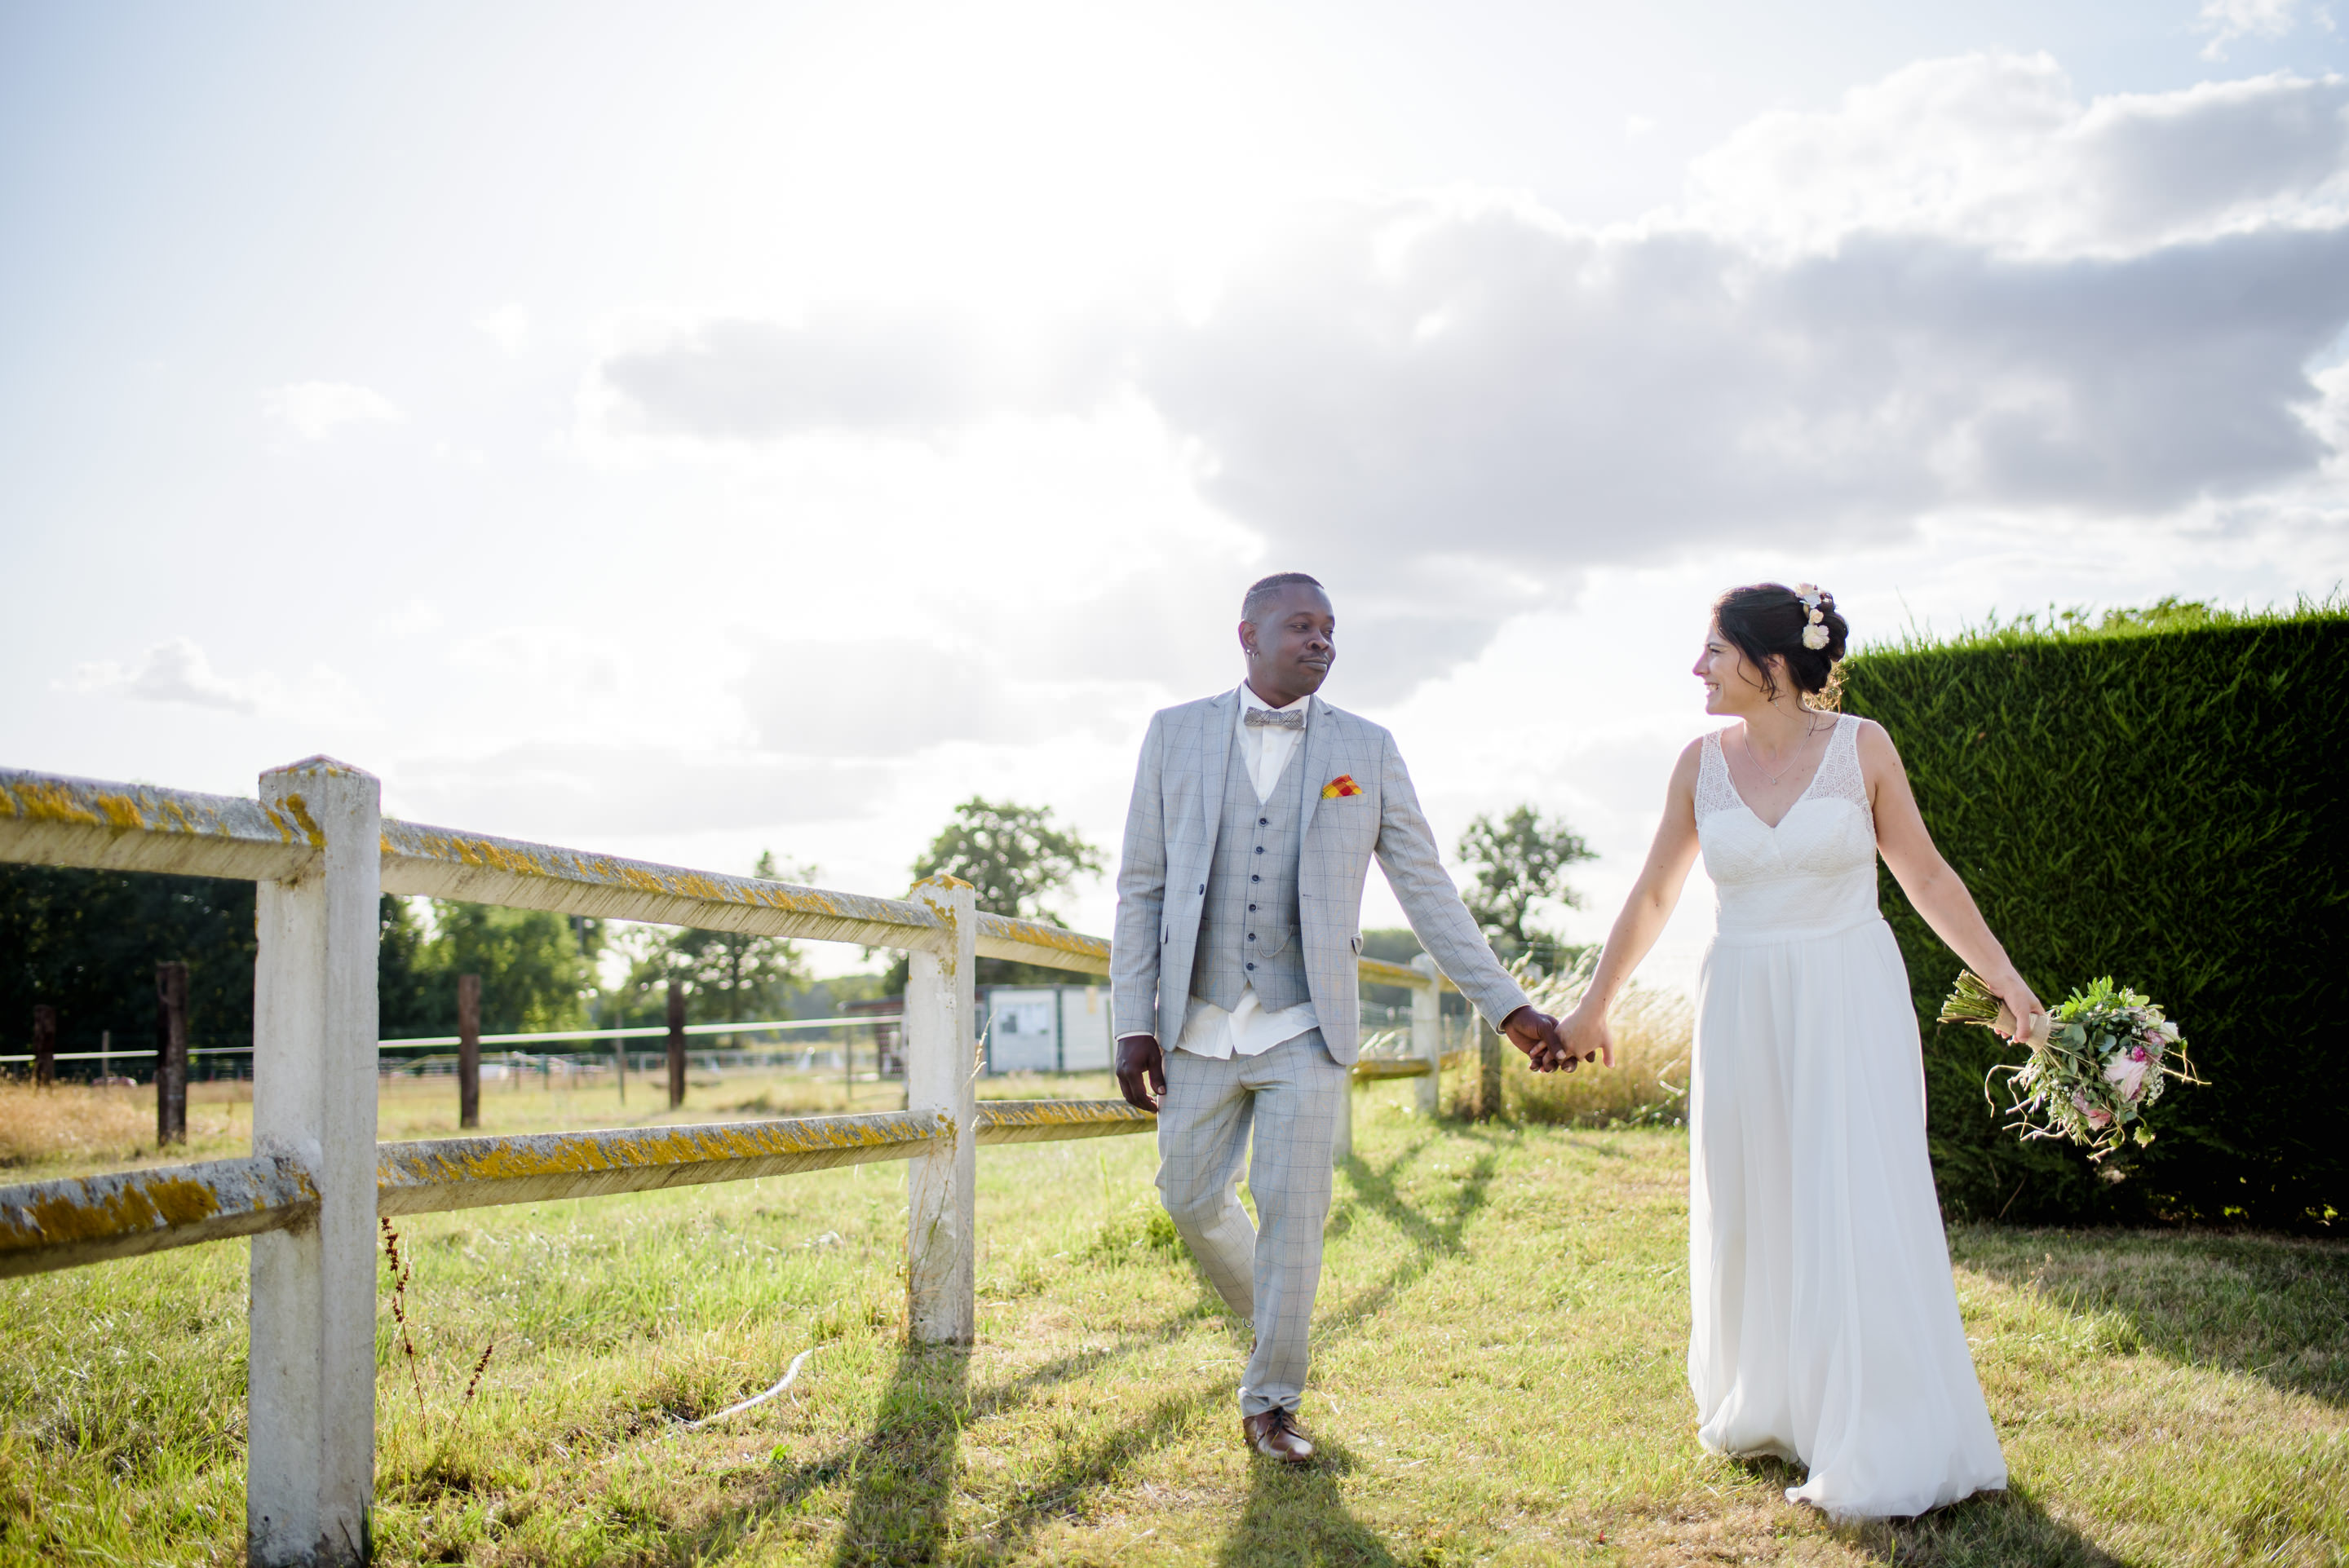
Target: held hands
[[1141, 1071], [1538, 1035], [1582, 1035]]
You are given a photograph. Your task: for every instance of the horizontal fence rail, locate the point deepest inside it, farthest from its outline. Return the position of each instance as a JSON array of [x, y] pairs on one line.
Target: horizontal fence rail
[[86, 1219], [47, 1225], [323, 854]]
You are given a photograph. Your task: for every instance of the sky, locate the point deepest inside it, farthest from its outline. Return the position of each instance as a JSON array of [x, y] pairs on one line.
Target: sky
[[692, 430]]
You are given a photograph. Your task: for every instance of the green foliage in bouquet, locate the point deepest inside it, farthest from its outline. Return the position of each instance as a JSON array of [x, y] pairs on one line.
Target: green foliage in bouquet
[[2157, 794], [2104, 1060]]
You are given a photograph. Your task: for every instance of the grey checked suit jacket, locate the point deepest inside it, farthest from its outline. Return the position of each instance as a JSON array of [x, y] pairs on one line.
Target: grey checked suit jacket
[[1170, 841]]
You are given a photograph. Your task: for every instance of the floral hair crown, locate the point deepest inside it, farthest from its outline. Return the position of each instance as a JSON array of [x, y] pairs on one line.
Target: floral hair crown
[[1816, 601]]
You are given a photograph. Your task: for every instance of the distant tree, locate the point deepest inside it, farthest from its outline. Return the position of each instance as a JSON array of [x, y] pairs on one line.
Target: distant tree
[[1520, 862], [728, 976], [86, 944], [1019, 863], [537, 967]]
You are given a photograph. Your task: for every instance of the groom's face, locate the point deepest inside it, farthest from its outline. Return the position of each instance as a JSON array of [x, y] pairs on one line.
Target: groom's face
[[1291, 645]]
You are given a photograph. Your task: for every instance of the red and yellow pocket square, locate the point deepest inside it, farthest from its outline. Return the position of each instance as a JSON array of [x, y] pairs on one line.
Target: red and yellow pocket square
[[1341, 786]]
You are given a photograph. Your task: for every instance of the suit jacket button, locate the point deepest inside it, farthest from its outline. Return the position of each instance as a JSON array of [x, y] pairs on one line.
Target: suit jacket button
[[1260, 849], [1256, 879], [1251, 908], [1251, 966]]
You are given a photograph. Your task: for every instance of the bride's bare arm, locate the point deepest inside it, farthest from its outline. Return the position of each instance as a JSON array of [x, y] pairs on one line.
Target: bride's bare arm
[[1644, 915], [1937, 891]]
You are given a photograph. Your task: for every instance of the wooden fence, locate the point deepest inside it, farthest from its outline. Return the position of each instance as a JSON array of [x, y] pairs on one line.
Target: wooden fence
[[311, 1192]]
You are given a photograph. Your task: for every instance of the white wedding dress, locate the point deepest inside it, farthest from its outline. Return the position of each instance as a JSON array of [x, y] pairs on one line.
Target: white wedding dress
[[1825, 1325]]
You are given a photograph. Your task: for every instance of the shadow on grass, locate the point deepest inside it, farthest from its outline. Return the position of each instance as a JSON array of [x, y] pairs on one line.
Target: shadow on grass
[[1988, 1530], [2271, 1307], [1294, 1515], [1432, 1240], [904, 1471]]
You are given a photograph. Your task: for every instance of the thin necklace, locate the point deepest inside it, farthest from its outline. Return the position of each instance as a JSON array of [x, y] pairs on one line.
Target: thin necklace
[[1745, 740]]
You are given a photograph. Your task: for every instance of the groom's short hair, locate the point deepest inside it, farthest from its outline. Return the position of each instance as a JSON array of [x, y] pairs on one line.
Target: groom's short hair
[[1264, 590]]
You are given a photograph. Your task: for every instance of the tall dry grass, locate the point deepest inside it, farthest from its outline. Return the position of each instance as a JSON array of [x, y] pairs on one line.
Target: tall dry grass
[[73, 1122], [1647, 1086]]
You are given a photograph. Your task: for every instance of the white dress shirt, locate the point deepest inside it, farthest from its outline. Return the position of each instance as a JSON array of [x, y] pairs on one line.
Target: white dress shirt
[[1250, 1028]]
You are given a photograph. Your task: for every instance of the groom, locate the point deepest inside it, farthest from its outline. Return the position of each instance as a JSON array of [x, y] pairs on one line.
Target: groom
[[1255, 817]]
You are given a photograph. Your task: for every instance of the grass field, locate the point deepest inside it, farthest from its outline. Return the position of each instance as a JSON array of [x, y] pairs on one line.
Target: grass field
[[1498, 1378]]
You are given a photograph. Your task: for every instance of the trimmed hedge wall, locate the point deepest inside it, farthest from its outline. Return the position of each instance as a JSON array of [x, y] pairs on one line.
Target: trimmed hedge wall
[[2159, 798]]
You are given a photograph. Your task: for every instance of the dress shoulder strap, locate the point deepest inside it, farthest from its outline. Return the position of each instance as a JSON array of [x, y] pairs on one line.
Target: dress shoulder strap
[[1839, 774], [1714, 792]]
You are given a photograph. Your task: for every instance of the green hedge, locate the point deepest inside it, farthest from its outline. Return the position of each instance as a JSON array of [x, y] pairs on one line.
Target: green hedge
[[2158, 798]]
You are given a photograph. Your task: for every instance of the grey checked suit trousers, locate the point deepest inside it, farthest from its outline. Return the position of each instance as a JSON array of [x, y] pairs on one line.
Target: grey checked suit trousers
[[1290, 1097]]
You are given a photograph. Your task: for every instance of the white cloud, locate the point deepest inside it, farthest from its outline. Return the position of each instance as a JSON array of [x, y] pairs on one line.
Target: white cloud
[[315, 409], [2228, 20], [1996, 151], [575, 792], [1963, 288], [174, 671], [179, 671], [856, 368], [508, 326]]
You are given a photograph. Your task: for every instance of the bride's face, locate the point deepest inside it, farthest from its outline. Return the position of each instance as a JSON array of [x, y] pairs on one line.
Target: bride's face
[[1732, 685]]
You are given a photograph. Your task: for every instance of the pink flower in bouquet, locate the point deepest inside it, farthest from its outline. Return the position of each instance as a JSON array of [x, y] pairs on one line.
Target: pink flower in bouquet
[[2098, 1117], [2139, 1054], [2128, 1077]]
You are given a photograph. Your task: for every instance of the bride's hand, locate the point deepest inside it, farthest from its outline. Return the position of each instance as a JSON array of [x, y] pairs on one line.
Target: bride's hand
[[2021, 1018], [1587, 1036]]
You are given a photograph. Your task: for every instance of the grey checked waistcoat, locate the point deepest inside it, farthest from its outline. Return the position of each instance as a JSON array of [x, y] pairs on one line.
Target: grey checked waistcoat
[[1247, 929]]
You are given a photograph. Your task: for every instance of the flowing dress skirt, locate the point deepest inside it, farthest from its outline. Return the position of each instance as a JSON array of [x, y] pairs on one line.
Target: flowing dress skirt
[[1826, 1325]]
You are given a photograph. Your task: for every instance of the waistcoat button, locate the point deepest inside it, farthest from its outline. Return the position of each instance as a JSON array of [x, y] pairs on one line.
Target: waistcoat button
[[1260, 849]]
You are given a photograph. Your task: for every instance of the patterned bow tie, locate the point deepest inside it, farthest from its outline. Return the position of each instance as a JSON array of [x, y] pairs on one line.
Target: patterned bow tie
[[1268, 719]]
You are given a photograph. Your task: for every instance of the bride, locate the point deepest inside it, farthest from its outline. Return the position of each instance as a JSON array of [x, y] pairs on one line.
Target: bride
[[1825, 1327]]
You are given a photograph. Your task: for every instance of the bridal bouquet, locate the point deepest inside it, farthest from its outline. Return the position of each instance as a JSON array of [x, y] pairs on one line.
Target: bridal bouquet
[[2100, 1059]]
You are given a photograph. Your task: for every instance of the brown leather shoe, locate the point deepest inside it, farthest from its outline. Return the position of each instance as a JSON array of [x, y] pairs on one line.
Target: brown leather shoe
[[1274, 1435]]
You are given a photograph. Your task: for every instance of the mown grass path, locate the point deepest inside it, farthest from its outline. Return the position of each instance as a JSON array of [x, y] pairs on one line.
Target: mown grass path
[[1498, 1378]]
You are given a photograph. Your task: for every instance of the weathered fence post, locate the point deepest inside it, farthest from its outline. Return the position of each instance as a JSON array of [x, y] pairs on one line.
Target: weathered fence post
[[676, 1044], [941, 1068], [311, 1397], [468, 1051], [45, 1044], [171, 1053], [1488, 1069], [620, 1057], [1427, 1035]]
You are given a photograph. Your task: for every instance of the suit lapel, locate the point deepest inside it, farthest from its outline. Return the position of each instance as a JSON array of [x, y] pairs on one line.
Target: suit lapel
[[1310, 757], [1216, 756]]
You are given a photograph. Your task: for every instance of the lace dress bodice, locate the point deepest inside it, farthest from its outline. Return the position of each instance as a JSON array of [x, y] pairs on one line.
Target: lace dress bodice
[[1814, 872]]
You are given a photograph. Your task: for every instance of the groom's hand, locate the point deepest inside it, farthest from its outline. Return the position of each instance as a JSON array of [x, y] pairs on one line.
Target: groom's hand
[[1141, 1071], [1535, 1034]]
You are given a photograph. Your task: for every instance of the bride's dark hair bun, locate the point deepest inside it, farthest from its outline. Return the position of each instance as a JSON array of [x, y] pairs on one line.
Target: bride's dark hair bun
[[1768, 619]]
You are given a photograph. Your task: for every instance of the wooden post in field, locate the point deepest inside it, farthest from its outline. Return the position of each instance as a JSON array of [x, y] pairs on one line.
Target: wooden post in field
[[941, 1072], [676, 1044], [44, 1046], [468, 1051], [1488, 1069], [171, 1053], [1427, 1035], [620, 1056], [310, 1400]]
